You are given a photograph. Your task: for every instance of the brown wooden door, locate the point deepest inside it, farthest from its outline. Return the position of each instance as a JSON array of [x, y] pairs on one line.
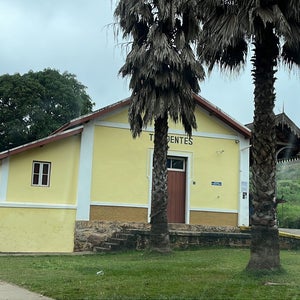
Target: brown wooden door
[[176, 194]]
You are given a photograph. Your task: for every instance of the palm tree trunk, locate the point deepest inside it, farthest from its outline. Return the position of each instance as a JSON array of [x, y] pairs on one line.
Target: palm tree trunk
[[265, 241], [159, 234]]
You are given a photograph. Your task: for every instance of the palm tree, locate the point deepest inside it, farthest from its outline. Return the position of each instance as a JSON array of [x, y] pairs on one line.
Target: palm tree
[[273, 28], [163, 75]]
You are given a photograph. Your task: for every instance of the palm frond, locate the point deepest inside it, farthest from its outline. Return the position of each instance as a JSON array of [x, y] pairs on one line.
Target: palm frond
[[291, 55], [266, 15], [281, 22], [161, 65]]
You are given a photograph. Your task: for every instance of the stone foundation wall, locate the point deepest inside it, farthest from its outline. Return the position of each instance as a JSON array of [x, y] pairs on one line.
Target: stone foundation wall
[[187, 240], [90, 234]]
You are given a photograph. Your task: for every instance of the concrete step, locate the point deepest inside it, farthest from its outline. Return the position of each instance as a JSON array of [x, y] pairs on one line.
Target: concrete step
[[123, 235], [119, 241], [101, 249]]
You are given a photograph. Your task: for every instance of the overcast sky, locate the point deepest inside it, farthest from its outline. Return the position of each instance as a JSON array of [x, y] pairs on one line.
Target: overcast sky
[[77, 36]]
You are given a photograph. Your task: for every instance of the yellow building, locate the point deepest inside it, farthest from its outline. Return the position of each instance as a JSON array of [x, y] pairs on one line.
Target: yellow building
[[92, 169]]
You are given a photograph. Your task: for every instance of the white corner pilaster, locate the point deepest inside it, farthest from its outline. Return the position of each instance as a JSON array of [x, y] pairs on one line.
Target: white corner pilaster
[[85, 173], [4, 171], [243, 216]]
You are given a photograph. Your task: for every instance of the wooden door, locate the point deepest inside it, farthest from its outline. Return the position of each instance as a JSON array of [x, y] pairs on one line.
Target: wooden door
[[176, 190]]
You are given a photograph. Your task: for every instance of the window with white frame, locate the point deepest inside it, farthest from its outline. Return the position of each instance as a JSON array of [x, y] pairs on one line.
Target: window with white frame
[[41, 173], [176, 163]]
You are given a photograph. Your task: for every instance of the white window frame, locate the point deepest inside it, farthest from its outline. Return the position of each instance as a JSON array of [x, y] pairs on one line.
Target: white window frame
[[177, 158], [40, 173]]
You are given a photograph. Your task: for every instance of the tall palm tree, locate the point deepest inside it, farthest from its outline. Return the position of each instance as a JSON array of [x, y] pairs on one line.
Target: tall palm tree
[[273, 29], [164, 73]]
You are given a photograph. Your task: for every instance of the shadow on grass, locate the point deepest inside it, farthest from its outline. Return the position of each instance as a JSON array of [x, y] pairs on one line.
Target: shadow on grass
[[263, 273]]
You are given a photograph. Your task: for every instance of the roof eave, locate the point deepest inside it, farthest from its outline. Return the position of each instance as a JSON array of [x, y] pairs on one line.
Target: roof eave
[[98, 113], [75, 126], [283, 119], [41, 142], [214, 110]]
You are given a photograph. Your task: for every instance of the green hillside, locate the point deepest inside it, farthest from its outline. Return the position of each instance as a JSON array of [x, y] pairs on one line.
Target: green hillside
[[288, 188]]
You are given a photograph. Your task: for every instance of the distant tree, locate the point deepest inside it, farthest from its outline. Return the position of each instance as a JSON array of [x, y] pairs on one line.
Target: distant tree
[[273, 29], [164, 74], [35, 104]]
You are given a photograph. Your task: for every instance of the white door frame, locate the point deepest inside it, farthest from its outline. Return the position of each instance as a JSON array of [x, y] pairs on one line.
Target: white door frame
[[188, 165]]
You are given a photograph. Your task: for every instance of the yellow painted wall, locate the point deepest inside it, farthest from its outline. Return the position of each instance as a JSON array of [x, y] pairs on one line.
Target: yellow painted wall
[[121, 164], [36, 230], [120, 116], [64, 158], [208, 123], [205, 122], [216, 160], [120, 167]]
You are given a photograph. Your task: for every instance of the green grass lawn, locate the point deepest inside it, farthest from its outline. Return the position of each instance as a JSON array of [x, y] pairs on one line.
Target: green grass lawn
[[199, 274]]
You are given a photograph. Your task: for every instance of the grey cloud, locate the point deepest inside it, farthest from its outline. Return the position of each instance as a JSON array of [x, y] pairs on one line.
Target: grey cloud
[[76, 36]]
